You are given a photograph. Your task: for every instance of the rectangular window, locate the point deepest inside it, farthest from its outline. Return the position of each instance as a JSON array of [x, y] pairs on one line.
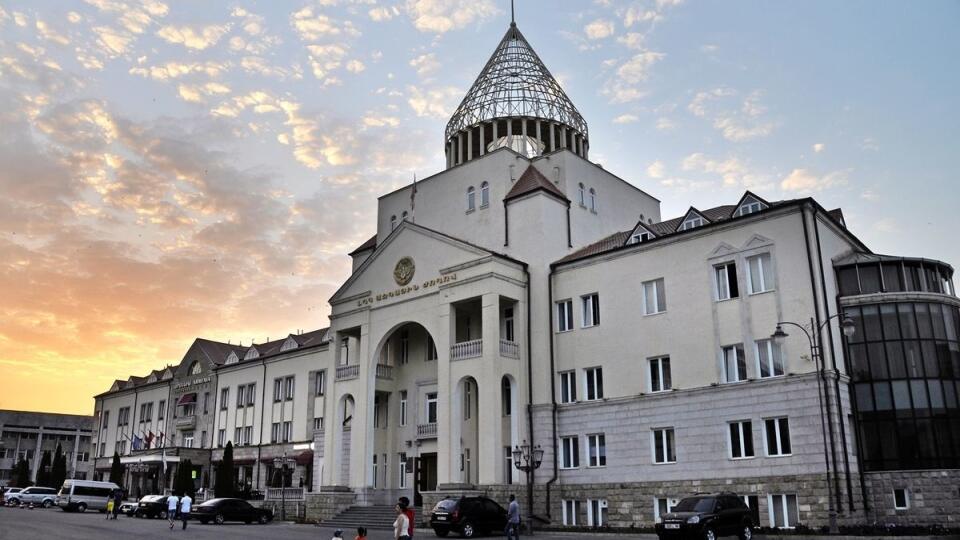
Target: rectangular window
[[318, 423], [240, 396], [237, 441], [161, 409], [224, 398], [597, 450], [569, 452], [221, 438], [726, 280], [734, 364], [188, 440], [403, 407], [287, 431], [571, 509], [288, 386], [593, 383], [783, 511], [741, 439], [901, 500], [564, 315], [247, 434], [206, 403], [251, 394], [660, 374], [568, 387], [203, 439], [275, 432], [375, 475], [320, 386], [467, 399], [761, 273], [769, 359], [596, 512], [591, 309], [508, 324], [402, 471], [508, 465], [778, 436], [654, 297], [277, 390], [661, 507], [663, 446], [432, 408], [506, 397]]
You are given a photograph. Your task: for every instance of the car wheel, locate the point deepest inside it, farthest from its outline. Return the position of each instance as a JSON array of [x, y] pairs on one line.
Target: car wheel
[[218, 519], [82, 507], [47, 504], [709, 534], [163, 515], [469, 531], [442, 533], [262, 520], [746, 532]]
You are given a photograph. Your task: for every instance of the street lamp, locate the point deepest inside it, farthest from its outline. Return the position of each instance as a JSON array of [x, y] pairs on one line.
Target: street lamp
[[813, 333], [280, 465], [528, 459]]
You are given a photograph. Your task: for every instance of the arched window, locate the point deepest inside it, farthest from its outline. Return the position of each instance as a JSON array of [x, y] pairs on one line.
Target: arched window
[[403, 216], [593, 200], [195, 368], [484, 194], [393, 222], [583, 201], [471, 199]]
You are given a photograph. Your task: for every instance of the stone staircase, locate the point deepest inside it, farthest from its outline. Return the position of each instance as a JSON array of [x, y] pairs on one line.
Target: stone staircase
[[378, 517]]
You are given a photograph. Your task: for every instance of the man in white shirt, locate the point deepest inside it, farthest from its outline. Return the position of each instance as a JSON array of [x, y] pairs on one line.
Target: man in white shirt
[[185, 504], [172, 502]]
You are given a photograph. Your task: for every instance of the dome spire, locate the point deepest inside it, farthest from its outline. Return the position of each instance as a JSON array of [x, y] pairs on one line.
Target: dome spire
[[515, 102]]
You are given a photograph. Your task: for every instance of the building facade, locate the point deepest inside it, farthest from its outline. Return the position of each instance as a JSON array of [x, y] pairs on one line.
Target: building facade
[[527, 296], [28, 435]]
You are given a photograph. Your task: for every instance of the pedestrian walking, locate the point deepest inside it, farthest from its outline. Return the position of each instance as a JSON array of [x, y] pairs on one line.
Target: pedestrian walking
[[186, 504], [401, 527], [513, 519], [117, 501], [172, 503], [110, 503], [411, 515], [361, 533]]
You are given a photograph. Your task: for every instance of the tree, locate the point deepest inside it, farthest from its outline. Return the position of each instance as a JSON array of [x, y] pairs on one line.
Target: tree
[[58, 473], [43, 471], [224, 485], [116, 470], [21, 474], [183, 482]]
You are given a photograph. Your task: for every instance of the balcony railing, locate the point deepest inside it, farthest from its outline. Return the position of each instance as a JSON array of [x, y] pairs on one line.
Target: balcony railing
[[186, 421], [290, 494], [427, 431], [384, 372], [345, 373], [466, 349], [509, 349]]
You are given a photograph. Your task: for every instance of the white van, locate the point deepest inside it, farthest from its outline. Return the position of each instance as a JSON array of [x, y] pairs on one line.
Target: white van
[[83, 495]]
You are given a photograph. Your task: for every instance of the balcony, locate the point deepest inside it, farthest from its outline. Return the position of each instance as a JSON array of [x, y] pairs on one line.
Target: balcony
[[466, 349], [186, 422], [385, 372], [346, 373], [509, 349], [427, 431]]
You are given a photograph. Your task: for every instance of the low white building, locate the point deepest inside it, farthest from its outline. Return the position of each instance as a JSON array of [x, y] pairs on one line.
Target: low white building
[[527, 296]]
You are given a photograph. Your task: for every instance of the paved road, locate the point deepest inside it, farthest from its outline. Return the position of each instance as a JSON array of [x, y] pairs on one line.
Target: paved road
[[55, 524]]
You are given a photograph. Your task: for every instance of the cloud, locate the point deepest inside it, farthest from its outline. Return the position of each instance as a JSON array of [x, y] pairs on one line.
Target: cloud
[[625, 119], [434, 102], [629, 75], [355, 66], [656, 169], [197, 38], [735, 124], [665, 124], [599, 29], [733, 172], [113, 42], [818, 147], [198, 93], [441, 16], [425, 64], [632, 40], [870, 195], [49, 34], [805, 181], [312, 25], [176, 70], [383, 13]]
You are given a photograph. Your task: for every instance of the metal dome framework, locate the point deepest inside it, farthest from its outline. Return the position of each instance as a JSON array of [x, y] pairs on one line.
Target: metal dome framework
[[515, 102]]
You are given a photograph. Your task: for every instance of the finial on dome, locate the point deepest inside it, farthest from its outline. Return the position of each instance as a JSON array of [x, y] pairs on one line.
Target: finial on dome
[[513, 21]]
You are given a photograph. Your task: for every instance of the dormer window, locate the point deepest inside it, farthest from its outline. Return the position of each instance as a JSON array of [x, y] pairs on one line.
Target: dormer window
[[195, 368], [232, 358], [749, 204], [484, 195], [582, 195], [393, 222], [640, 237], [471, 199], [691, 222], [289, 344], [252, 353]]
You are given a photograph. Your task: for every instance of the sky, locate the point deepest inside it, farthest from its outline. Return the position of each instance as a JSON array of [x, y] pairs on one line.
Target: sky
[[170, 170]]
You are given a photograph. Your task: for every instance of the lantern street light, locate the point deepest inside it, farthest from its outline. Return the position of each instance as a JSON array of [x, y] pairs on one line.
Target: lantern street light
[[528, 459], [813, 333], [280, 465]]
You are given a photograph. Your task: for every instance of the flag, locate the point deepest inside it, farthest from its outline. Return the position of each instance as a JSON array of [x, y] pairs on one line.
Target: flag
[[136, 442], [413, 197], [160, 442], [149, 439]]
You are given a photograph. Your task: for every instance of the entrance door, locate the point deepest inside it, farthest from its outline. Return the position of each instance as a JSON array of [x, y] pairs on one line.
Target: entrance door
[[424, 476]]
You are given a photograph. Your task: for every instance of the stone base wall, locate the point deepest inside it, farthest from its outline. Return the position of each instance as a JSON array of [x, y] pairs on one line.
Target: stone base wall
[[326, 504], [934, 497]]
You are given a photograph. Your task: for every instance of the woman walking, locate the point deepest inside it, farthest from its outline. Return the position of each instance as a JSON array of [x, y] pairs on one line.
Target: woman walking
[[402, 524]]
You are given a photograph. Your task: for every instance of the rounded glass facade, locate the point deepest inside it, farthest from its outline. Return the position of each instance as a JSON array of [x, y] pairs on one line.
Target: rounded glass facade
[[904, 364]]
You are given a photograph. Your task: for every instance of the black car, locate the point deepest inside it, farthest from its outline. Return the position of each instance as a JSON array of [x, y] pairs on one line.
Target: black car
[[152, 506], [221, 510], [707, 517], [468, 516]]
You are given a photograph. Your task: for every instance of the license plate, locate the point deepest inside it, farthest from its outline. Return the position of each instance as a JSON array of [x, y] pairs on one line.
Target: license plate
[[672, 526], [441, 518]]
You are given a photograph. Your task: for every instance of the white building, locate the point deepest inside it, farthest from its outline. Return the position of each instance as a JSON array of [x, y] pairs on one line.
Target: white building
[[527, 295]]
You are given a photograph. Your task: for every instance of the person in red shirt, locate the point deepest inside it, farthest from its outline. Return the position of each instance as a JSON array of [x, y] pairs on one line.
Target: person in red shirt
[[408, 511]]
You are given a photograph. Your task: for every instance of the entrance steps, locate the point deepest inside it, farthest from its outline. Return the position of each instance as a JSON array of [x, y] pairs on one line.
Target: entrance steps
[[377, 517]]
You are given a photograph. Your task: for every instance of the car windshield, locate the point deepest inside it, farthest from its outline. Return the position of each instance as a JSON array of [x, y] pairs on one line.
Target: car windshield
[[695, 504], [445, 505]]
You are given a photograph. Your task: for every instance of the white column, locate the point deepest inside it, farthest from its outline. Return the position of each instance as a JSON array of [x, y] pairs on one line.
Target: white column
[[361, 436], [539, 139], [553, 138], [469, 144], [496, 123], [445, 429], [72, 473], [490, 422], [563, 137], [523, 130], [483, 145], [37, 455]]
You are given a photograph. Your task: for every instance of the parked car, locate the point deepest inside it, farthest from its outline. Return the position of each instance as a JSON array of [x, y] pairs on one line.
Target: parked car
[[35, 495], [127, 508], [707, 517], [468, 516], [81, 495], [222, 510], [152, 506], [7, 493]]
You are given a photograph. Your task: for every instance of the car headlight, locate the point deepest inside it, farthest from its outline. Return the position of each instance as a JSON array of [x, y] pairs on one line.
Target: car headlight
[[693, 519]]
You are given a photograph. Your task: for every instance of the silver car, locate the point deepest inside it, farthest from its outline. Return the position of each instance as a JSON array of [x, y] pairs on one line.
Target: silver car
[[35, 495]]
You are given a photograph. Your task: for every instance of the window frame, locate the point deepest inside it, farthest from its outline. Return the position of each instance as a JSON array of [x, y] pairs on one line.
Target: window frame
[[740, 359], [593, 200], [659, 362], [667, 444], [656, 286], [727, 283], [569, 514], [320, 383], [403, 408], [568, 386], [597, 380], [569, 452], [785, 506], [435, 401], [778, 436], [564, 319], [598, 442], [590, 305], [906, 499], [471, 199], [484, 194], [766, 287], [772, 350], [744, 430]]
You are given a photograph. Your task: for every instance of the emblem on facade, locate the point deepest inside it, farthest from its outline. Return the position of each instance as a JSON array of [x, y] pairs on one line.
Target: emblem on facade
[[403, 272]]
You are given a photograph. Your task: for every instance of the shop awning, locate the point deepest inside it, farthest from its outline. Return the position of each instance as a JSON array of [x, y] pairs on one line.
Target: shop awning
[[187, 399]]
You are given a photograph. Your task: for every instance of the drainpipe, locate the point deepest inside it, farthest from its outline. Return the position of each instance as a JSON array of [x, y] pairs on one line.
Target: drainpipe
[[506, 228], [553, 386], [532, 475], [836, 373]]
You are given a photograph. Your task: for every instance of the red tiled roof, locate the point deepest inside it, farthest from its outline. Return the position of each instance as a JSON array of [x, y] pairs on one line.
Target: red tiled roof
[[532, 180]]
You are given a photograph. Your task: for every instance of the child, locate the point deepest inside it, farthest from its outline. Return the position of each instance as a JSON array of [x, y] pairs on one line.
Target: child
[[361, 533], [110, 507], [338, 534]]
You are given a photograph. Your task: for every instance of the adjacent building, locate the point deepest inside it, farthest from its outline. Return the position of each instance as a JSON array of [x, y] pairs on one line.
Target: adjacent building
[[527, 297], [28, 435]]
